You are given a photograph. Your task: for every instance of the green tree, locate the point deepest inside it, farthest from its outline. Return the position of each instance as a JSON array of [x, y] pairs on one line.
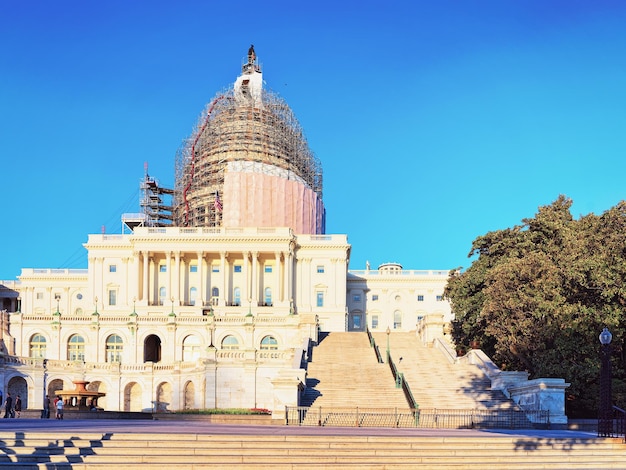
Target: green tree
[[537, 295]]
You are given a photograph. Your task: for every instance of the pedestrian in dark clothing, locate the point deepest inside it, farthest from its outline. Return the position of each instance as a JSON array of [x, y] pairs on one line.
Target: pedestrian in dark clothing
[[18, 406], [46, 408], [8, 407]]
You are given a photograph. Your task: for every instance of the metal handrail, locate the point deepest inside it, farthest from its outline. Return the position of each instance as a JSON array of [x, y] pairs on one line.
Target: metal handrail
[[413, 418], [402, 383], [619, 421], [373, 344]]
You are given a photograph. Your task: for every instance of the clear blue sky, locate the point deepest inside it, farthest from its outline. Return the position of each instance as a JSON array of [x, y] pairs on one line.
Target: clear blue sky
[[435, 121]]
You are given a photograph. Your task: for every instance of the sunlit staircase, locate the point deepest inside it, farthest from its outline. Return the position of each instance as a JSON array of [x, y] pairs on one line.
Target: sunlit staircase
[[193, 451], [344, 373]]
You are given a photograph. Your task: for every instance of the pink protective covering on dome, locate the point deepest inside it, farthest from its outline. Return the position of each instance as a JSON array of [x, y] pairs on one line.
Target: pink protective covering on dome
[[260, 200]]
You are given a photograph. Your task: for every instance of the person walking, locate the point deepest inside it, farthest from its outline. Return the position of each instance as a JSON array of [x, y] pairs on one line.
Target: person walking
[[60, 408], [18, 406], [45, 414], [8, 406]]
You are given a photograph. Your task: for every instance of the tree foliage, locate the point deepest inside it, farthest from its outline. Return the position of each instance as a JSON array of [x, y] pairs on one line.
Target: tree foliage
[[537, 295]]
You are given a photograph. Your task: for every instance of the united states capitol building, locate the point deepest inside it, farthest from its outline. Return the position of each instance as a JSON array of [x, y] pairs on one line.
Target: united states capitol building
[[213, 293]]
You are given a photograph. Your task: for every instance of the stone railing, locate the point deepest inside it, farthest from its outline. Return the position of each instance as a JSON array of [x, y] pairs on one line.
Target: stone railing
[[537, 394], [160, 318], [234, 355], [408, 272]]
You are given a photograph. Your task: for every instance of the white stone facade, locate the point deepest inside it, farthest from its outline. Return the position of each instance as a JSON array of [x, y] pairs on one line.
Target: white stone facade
[[175, 318], [398, 299]]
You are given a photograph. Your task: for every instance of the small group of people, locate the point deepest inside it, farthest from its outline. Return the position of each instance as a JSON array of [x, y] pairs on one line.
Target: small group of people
[[12, 410], [58, 406]]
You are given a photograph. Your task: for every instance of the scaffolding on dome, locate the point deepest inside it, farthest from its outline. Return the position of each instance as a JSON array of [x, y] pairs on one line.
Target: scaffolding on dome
[[155, 210], [240, 133]]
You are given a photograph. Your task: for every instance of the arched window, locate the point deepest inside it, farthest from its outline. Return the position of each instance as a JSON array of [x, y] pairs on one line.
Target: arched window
[[268, 296], [230, 342], [162, 294], [76, 348], [38, 346], [114, 348], [193, 293], [269, 342], [191, 348], [397, 319], [237, 296]]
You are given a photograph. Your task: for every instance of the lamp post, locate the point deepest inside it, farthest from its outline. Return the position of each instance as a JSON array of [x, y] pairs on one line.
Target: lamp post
[[605, 414], [46, 402], [388, 352]]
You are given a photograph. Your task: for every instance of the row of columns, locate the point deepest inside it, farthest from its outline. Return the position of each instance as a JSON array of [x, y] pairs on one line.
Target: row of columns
[[146, 280]]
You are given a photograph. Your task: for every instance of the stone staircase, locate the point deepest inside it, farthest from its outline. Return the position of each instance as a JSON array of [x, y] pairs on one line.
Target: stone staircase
[[90, 450], [344, 373], [435, 382]]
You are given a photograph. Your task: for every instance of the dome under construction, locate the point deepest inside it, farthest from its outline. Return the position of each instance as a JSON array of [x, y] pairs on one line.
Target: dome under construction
[[248, 164]]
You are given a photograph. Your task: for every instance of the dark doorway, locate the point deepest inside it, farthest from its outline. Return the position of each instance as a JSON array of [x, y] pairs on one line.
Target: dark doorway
[[152, 349]]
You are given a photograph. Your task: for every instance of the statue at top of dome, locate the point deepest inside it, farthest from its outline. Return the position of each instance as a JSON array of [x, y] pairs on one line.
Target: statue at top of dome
[[251, 54]]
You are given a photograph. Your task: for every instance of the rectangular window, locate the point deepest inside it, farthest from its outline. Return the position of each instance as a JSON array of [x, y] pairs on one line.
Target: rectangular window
[[112, 268], [39, 295], [420, 298], [439, 298], [112, 297], [162, 268], [237, 268], [356, 298], [193, 268], [374, 322], [320, 299], [374, 297], [320, 269], [268, 268], [215, 268]]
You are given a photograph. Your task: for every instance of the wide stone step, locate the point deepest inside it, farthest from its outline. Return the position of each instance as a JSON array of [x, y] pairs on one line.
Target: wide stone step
[[145, 450]]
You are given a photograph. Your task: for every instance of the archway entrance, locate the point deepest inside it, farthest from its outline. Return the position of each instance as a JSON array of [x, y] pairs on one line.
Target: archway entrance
[[163, 397], [98, 386], [53, 386], [190, 396], [18, 386], [132, 397], [152, 349]]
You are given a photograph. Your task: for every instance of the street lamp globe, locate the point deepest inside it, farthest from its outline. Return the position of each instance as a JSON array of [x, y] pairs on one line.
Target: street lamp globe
[[606, 336]]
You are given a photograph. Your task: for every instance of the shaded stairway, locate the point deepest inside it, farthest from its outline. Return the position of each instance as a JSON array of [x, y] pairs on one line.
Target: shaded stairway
[[435, 382]]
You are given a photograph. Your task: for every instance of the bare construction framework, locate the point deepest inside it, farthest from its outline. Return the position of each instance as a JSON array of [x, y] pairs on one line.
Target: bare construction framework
[[238, 129]]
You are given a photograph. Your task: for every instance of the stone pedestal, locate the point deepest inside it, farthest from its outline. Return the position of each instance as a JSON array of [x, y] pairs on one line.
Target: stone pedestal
[[542, 394]]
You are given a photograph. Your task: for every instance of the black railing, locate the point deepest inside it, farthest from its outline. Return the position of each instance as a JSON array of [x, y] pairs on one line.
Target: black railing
[[373, 344], [619, 423], [427, 418], [402, 383]]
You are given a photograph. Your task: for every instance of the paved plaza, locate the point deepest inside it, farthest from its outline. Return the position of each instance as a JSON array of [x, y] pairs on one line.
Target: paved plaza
[[186, 427]]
